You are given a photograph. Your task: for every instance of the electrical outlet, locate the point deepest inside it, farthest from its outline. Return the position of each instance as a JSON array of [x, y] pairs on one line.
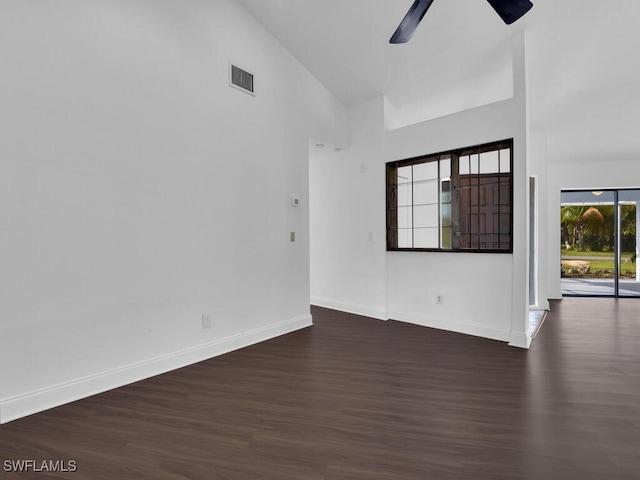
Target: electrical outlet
[[206, 320], [440, 299]]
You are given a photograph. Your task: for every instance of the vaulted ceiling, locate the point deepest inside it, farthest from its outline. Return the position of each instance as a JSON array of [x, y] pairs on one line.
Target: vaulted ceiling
[[582, 59]]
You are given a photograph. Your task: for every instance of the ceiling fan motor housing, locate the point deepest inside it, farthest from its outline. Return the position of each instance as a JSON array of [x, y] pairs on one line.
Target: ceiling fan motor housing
[[510, 10]]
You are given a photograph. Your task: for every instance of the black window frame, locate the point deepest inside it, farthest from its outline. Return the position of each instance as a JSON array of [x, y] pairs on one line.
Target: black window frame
[[391, 197]]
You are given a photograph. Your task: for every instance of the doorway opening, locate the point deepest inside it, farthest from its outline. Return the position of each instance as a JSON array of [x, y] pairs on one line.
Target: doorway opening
[[599, 247]]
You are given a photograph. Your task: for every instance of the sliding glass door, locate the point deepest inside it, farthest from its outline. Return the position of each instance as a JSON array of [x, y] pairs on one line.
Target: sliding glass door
[[599, 243], [629, 225]]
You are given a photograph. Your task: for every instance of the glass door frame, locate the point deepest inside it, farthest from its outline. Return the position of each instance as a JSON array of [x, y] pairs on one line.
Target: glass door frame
[[617, 233]]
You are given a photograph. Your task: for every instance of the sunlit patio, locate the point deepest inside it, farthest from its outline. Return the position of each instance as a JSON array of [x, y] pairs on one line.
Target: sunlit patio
[[600, 286]]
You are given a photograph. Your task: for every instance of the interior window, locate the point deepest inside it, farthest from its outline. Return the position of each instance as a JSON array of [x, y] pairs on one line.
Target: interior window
[[456, 201]]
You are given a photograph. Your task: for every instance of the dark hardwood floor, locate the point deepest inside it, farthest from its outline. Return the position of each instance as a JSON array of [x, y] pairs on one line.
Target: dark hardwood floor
[[358, 399]]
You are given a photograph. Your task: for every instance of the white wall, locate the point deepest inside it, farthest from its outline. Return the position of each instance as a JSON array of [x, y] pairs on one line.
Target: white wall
[[347, 198], [484, 294], [139, 191]]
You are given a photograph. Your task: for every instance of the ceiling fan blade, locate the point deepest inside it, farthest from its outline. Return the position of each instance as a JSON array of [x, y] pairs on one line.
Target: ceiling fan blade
[[410, 22], [511, 10]]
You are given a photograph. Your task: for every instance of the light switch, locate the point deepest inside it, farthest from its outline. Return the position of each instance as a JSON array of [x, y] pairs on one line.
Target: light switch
[[292, 236]]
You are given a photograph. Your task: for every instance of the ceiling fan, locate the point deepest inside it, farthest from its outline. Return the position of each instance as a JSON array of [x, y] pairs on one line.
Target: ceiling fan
[[509, 11]]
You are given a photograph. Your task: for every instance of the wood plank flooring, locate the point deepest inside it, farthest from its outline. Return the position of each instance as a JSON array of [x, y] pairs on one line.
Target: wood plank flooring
[[358, 399]]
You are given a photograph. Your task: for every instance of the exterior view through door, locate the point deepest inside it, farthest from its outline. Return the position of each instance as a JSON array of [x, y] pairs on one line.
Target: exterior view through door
[[599, 246]]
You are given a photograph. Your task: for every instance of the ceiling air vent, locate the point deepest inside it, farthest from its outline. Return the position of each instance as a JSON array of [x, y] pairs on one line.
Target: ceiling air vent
[[241, 79]]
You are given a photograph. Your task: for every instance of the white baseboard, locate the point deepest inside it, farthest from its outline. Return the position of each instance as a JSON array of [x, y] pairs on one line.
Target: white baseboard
[[349, 307], [441, 323], [38, 401], [520, 340]]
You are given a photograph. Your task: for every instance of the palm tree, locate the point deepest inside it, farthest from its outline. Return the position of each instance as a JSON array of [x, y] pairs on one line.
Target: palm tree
[[575, 219]]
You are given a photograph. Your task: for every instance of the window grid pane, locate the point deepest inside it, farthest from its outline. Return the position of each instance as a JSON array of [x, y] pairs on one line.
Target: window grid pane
[[424, 207]]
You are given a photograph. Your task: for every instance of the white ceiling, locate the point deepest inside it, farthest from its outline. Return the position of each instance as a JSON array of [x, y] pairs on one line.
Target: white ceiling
[[583, 60]]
